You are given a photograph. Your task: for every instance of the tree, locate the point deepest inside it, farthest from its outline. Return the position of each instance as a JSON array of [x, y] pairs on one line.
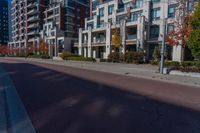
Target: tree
[[116, 40], [180, 35], [194, 38], [3, 50], [43, 49]]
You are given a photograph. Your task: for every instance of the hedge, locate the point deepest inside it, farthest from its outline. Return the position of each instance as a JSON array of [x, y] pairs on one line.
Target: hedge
[[128, 57], [80, 59]]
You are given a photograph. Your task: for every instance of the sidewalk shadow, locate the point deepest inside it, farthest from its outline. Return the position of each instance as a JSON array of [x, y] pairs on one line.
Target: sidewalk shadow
[[62, 103]]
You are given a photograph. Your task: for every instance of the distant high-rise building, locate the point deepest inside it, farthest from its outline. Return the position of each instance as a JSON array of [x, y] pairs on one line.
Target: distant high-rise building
[[27, 21], [63, 18], [4, 35], [54, 21]]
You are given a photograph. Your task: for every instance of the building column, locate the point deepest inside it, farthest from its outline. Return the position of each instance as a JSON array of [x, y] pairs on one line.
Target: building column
[[38, 45], [56, 47], [85, 52], [108, 39], [123, 36], [89, 43], [178, 52], [49, 45], [80, 45], [140, 33]]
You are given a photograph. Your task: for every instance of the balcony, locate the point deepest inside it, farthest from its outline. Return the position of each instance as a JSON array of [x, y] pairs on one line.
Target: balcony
[[33, 11], [32, 19], [33, 26], [99, 41], [120, 10], [31, 5], [33, 32]]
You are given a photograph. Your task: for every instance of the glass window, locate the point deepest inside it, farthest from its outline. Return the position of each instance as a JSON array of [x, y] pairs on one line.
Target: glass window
[[110, 9], [138, 3], [170, 28], [101, 12], [135, 15], [155, 1], [155, 14], [171, 11], [154, 31]]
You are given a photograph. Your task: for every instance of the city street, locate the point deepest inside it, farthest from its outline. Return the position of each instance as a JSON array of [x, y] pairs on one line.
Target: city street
[[61, 99]]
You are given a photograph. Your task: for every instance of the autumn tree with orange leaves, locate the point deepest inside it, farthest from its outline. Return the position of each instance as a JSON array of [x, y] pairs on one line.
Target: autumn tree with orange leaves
[[43, 49], [178, 38], [3, 50], [180, 35]]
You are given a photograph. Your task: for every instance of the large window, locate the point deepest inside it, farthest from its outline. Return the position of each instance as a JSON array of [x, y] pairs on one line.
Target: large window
[[138, 3], [110, 9], [101, 12], [135, 15], [154, 31], [190, 5], [155, 14], [170, 28], [171, 11]]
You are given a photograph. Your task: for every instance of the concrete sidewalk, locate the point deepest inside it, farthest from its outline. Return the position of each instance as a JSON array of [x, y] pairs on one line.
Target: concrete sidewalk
[[141, 71]]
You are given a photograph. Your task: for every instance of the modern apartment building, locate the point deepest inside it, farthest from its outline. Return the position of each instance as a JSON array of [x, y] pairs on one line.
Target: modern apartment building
[[27, 20], [61, 23], [140, 23], [54, 21], [4, 32]]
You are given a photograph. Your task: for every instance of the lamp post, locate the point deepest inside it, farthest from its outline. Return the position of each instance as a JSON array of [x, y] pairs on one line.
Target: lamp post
[[163, 46]]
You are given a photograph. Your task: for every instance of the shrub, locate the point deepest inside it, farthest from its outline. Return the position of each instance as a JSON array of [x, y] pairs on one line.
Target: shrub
[[129, 57], [104, 60], [153, 62], [189, 69], [197, 64], [172, 63], [34, 56], [45, 56], [66, 55], [156, 53], [114, 57], [188, 63], [2, 55], [134, 57], [80, 58]]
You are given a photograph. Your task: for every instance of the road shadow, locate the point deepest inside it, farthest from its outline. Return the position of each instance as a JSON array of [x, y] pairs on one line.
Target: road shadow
[[62, 103]]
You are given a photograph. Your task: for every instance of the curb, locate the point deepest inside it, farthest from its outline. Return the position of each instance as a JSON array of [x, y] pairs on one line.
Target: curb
[[3, 119], [17, 117]]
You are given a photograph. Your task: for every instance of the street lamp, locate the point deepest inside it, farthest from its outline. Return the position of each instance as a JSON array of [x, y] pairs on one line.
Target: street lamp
[[163, 46]]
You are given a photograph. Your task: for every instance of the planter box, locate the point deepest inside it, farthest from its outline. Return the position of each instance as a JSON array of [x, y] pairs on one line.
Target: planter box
[[189, 74]]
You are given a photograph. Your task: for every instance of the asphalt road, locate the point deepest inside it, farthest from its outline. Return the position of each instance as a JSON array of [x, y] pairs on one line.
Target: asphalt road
[[62, 99]]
